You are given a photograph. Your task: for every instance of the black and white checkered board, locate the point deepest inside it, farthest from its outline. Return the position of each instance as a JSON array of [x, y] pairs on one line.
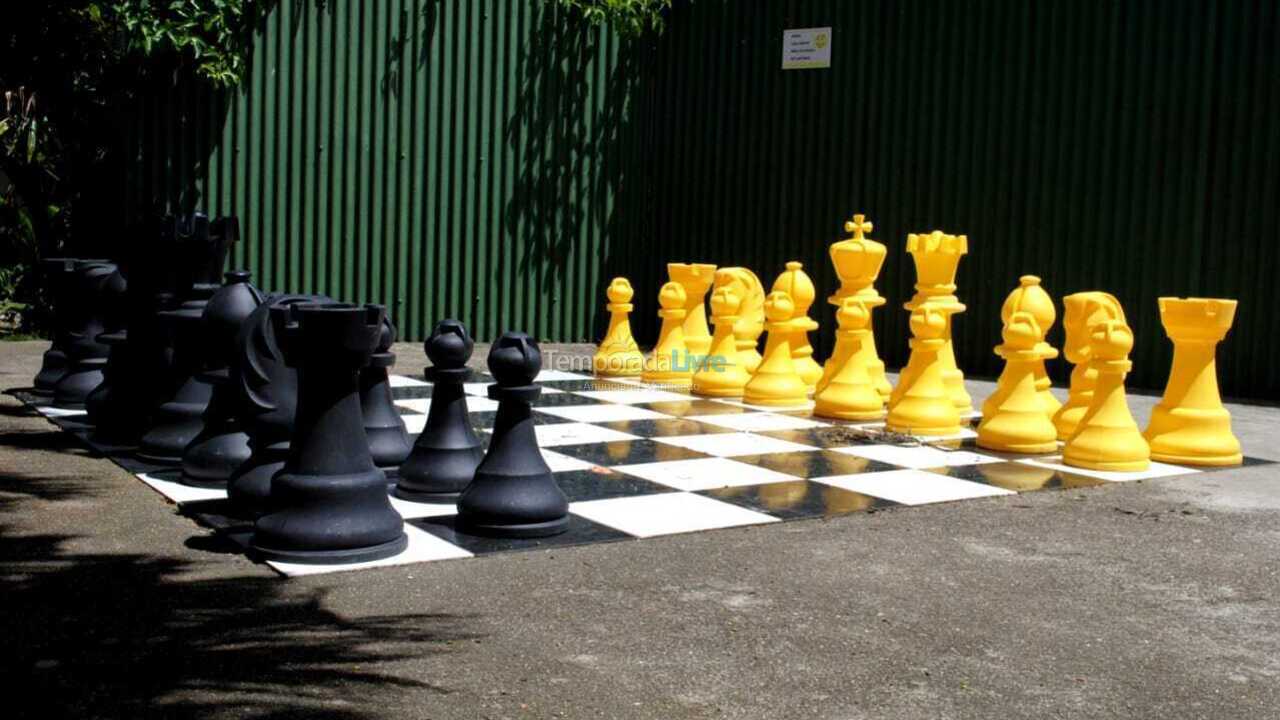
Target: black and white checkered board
[[638, 461]]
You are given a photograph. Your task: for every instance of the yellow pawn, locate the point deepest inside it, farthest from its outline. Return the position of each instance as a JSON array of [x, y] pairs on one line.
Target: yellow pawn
[[923, 405], [850, 392], [857, 261], [1014, 417], [1189, 425], [618, 354], [1107, 437], [720, 374], [775, 382], [669, 364], [750, 325], [1031, 297], [696, 279], [796, 283], [1083, 311]]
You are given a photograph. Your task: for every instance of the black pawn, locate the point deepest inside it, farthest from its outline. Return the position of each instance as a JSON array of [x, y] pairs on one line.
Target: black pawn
[[57, 274], [212, 457], [329, 504], [388, 439], [86, 354], [115, 292], [513, 493], [446, 454]]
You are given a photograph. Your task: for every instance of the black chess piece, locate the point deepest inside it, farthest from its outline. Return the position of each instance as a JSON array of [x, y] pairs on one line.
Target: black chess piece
[[445, 456], [140, 363], [202, 247], [211, 458], [513, 493], [266, 391], [329, 504], [114, 307], [89, 283], [57, 274], [389, 442]]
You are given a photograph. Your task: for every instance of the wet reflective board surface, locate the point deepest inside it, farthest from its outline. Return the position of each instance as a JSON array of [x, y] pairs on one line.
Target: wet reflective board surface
[[636, 461]]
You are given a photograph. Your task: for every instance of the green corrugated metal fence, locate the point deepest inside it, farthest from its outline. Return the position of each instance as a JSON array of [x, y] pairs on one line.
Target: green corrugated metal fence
[[498, 162], [443, 158]]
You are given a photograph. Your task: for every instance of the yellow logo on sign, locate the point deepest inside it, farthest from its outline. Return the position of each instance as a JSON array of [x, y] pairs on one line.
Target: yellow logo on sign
[[820, 40]]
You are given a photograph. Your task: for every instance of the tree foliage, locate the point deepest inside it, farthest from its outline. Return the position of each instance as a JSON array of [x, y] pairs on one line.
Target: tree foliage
[[627, 17], [67, 68]]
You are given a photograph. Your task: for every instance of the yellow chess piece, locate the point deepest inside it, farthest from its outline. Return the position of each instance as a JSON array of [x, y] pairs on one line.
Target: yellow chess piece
[[696, 279], [796, 283], [776, 382], [1189, 425], [618, 354], [922, 404], [1031, 297], [937, 258], [1107, 437], [857, 261], [1083, 311], [670, 364], [850, 393], [750, 325], [720, 374], [1014, 417]]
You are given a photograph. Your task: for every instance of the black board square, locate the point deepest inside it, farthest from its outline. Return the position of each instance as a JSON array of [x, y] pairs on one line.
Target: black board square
[[798, 499], [600, 483], [823, 463], [628, 452]]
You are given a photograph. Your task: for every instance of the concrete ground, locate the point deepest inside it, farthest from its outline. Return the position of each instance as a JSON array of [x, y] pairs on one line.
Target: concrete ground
[[1145, 600]]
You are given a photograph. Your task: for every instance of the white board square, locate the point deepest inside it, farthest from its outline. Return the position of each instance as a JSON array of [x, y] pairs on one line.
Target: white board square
[[1156, 470], [563, 463], [577, 434], [733, 444], [632, 397], [912, 487], [179, 493], [917, 457], [423, 547], [666, 514], [757, 421], [600, 413], [704, 473]]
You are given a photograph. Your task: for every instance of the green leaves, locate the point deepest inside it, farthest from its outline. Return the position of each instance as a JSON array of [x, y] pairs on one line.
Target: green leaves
[[628, 17], [210, 33]]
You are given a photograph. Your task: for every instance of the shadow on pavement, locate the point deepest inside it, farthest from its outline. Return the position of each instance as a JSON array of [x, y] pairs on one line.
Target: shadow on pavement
[[95, 635]]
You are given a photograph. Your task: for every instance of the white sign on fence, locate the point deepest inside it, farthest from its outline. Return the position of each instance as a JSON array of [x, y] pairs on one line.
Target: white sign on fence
[[804, 48]]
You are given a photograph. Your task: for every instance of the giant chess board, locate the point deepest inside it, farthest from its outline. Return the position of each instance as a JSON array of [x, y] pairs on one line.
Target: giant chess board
[[638, 461]]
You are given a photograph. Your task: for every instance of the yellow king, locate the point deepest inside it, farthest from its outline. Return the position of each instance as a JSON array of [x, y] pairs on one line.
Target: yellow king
[[857, 261]]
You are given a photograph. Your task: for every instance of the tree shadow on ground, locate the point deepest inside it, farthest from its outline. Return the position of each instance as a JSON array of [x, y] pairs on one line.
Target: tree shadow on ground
[[94, 635]]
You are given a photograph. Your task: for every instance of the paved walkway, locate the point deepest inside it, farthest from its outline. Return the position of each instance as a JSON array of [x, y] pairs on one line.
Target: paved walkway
[[1143, 600]]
